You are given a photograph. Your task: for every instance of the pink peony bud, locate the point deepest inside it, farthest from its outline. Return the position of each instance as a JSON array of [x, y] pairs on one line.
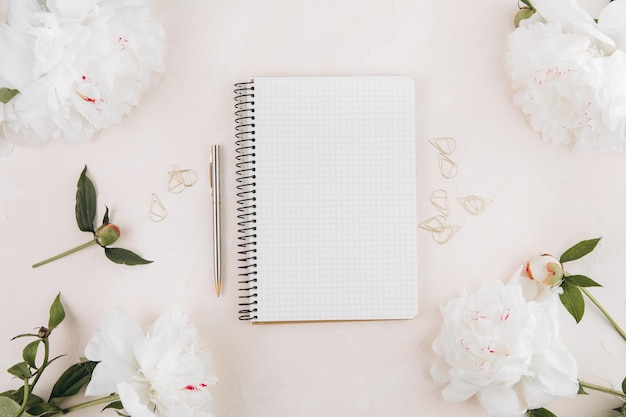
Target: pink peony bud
[[545, 269], [107, 234]]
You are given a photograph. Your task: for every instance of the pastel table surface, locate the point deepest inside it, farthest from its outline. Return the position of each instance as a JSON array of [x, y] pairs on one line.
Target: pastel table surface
[[544, 198]]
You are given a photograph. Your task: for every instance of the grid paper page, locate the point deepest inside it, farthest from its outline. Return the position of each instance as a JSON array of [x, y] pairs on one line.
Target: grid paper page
[[335, 198]]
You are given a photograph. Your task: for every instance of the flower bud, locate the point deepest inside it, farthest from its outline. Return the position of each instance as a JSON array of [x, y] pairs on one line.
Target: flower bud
[[522, 14], [545, 269], [43, 332], [107, 234]]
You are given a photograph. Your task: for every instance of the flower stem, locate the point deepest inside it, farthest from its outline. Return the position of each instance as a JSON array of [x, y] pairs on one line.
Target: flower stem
[[109, 399], [76, 249], [27, 390], [606, 314], [602, 389]]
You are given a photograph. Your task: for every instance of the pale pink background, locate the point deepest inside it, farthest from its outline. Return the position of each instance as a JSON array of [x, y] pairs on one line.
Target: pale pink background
[[545, 198]]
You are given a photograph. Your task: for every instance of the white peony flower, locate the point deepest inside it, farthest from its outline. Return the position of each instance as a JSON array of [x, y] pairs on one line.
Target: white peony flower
[[163, 372], [569, 74], [504, 350], [79, 66]]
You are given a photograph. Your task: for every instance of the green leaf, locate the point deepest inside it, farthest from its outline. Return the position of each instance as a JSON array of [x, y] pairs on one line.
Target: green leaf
[[579, 250], [124, 256], [581, 281], [572, 299], [624, 386], [18, 397], [20, 370], [581, 390], [105, 220], [85, 203], [6, 94], [8, 407], [24, 335], [30, 353], [43, 408], [55, 358], [540, 412], [57, 313], [73, 379], [117, 405]]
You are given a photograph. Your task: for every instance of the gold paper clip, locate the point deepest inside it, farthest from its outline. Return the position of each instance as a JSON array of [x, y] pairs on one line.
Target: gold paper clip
[[158, 212], [474, 204], [179, 179], [439, 228], [444, 234], [439, 200], [445, 145], [447, 167]]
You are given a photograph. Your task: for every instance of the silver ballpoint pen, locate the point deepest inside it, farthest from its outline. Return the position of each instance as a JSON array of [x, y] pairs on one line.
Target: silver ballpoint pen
[[214, 179]]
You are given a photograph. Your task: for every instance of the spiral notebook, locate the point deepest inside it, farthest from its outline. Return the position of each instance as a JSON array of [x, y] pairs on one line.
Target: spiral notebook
[[326, 186]]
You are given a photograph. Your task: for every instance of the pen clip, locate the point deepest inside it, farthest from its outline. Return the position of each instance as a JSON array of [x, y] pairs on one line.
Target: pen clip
[[211, 179], [214, 164], [211, 176]]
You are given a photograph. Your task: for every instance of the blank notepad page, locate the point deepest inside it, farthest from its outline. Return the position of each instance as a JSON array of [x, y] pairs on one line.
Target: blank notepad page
[[335, 198]]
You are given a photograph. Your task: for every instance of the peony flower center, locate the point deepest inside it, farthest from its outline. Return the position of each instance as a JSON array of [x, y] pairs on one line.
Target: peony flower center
[[488, 325], [195, 387]]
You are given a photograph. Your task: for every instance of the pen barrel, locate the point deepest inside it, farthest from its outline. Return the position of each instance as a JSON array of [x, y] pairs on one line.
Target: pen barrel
[[215, 206], [216, 239]]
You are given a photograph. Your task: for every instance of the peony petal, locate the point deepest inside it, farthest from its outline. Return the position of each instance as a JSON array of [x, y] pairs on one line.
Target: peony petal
[[38, 130], [529, 287], [547, 330], [458, 391], [439, 371], [611, 21], [556, 371], [117, 336], [135, 402], [501, 402], [112, 346], [533, 394], [16, 45], [20, 12], [573, 19], [72, 9], [169, 333], [105, 378]]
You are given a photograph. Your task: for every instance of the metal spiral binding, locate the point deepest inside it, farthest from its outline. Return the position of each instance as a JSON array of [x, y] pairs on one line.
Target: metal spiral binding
[[246, 199]]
